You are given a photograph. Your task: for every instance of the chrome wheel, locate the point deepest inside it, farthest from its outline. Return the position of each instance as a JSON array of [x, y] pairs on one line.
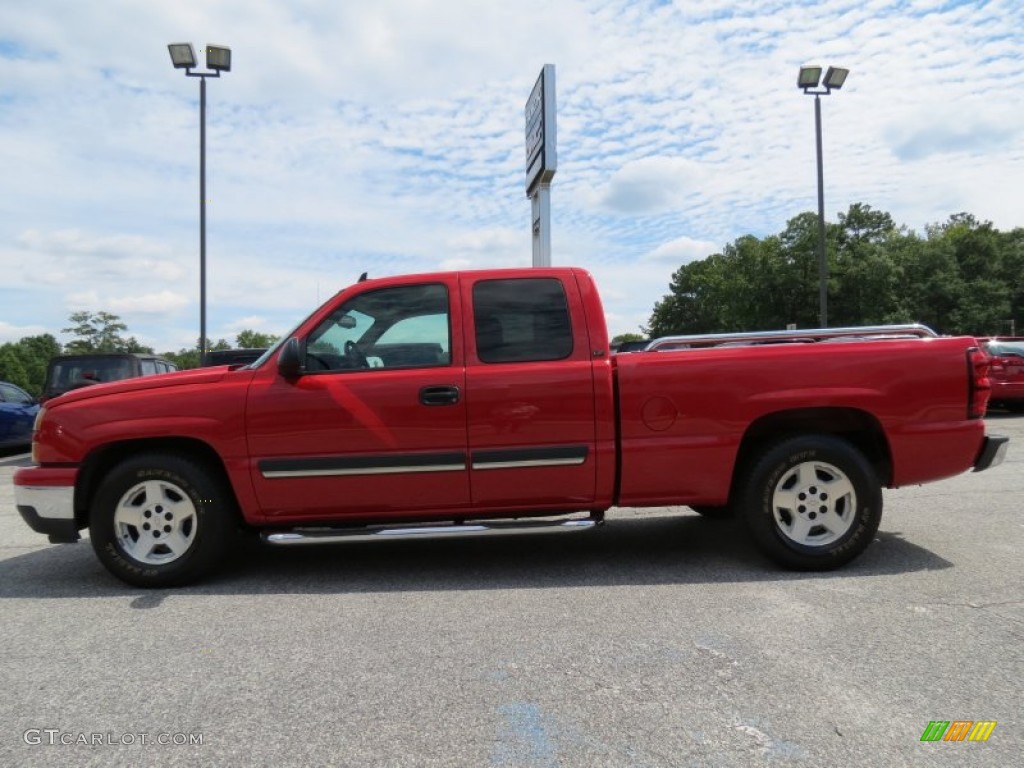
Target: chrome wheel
[[811, 502], [814, 503], [155, 522], [162, 519]]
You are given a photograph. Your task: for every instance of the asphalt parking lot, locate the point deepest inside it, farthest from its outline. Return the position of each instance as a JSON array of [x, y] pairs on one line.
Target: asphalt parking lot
[[658, 640]]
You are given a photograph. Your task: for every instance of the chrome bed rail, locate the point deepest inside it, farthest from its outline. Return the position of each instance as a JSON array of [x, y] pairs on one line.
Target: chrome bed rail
[[799, 336]]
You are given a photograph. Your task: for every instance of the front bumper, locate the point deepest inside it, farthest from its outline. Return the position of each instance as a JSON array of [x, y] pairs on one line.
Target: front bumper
[[45, 499], [992, 453]]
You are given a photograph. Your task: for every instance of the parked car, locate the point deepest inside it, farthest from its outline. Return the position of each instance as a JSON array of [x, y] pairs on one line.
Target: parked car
[[1007, 372], [18, 411], [233, 356], [620, 347], [68, 372]]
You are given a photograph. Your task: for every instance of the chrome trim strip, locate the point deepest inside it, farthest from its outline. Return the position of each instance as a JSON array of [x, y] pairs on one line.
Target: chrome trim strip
[[363, 471], [353, 466], [345, 465], [534, 456], [529, 463]]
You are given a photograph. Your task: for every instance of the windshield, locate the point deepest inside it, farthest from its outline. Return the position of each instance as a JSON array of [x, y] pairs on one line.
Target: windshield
[[1006, 348], [277, 344]]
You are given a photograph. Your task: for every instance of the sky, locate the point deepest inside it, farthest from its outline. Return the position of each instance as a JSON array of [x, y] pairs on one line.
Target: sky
[[388, 136]]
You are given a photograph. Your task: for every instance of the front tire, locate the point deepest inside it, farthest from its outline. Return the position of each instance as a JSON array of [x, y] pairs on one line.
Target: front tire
[[161, 520], [812, 503]]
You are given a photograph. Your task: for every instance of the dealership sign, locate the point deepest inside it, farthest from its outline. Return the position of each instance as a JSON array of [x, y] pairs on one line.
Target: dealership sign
[[540, 130]]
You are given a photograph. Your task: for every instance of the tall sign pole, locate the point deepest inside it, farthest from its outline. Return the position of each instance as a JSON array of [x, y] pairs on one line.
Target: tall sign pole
[[541, 161]]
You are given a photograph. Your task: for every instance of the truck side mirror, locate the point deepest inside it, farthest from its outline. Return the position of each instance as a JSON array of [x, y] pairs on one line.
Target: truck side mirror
[[289, 361]]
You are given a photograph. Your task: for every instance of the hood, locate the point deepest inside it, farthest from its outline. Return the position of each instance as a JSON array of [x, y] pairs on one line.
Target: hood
[[199, 376]]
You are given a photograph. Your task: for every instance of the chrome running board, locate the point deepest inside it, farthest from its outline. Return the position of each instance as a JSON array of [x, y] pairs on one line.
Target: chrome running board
[[338, 535]]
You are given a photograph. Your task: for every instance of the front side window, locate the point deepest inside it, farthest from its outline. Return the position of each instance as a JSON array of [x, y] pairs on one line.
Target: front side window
[[521, 320], [404, 326]]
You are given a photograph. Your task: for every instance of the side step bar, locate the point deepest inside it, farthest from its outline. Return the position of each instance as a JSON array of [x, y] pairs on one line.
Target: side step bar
[[337, 535]]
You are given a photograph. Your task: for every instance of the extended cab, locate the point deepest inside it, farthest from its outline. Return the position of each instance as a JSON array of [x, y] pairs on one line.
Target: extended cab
[[480, 402]]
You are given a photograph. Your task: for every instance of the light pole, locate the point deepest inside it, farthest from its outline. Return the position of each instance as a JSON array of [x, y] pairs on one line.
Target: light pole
[[218, 59], [808, 80]]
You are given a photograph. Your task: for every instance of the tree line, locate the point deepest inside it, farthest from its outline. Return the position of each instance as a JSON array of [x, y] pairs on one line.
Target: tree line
[[963, 276], [24, 362]]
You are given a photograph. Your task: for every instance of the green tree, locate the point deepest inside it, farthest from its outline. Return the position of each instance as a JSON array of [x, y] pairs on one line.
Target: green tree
[[1012, 274], [254, 339], [863, 275], [35, 353], [12, 370], [99, 332], [985, 298], [187, 359], [962, 276]]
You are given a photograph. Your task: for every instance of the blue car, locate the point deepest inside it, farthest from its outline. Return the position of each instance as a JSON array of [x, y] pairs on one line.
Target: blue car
[[18, 411]]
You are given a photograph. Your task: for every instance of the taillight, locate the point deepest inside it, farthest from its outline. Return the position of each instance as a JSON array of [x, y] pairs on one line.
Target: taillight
[[35, 435], [978, 386]]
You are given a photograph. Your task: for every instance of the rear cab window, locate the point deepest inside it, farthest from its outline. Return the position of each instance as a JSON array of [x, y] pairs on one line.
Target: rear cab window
[[521, 320], [95, 370]]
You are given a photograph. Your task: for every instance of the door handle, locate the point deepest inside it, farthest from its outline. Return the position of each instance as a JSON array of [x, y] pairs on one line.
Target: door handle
[[439, 395]]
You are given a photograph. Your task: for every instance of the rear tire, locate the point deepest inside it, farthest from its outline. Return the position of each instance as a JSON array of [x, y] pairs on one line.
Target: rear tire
[[812, 503], [161, 520]]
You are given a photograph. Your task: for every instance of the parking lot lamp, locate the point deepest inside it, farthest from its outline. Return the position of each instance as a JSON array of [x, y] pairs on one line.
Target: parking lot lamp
[[218, 59], [809, 81]]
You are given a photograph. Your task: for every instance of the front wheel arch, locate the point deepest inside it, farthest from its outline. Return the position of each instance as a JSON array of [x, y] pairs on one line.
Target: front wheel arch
[[101, 461]]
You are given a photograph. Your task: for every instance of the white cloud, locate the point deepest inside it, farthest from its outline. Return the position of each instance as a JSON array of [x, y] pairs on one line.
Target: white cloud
[[75, 241], [683, 250], [149, 303], [9, 332], [250, 322], [83, 301], [652, 185]]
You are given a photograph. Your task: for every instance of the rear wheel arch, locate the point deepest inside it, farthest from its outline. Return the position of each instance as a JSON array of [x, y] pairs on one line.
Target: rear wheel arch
[[857, 427]]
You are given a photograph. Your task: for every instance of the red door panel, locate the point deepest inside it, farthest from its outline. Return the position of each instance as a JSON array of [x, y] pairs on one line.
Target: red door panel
[[532, 431]]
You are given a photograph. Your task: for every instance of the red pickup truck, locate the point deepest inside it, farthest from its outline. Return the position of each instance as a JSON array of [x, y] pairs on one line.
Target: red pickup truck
[[481, 402]]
